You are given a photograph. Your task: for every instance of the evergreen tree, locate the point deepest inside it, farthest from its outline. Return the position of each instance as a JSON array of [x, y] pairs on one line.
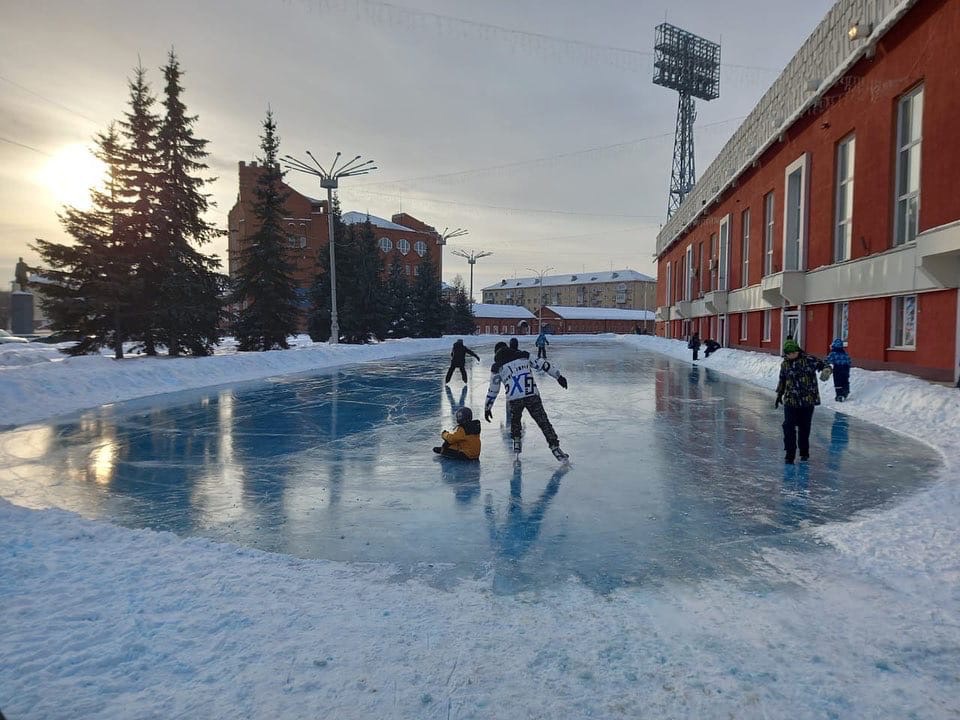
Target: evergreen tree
[[362, 314], [90, 292], [429, 310], [264, 284], [188, 301], [462, 319], [138, 179], [398, 304]]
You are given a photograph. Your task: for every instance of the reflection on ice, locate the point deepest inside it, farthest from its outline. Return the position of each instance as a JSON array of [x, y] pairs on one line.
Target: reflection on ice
[[676, 473]]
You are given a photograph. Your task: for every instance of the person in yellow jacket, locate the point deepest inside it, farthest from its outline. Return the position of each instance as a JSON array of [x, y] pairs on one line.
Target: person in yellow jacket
[[464, 442]]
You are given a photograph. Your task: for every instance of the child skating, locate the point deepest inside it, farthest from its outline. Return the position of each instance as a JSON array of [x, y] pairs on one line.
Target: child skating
[[463, 443], [840, 362]]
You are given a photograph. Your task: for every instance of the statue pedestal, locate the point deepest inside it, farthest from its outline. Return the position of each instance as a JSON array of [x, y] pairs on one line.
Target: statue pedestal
[[21, 313]]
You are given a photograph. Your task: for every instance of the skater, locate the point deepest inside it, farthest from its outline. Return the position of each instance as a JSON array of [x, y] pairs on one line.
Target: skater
[[458, 358], [694, 345], [513, 369], [712, 346], [541, 342], [840, 362], [464, 442], [799, 394]]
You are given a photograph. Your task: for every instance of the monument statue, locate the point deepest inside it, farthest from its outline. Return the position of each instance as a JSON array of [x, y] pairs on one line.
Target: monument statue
[[21, 275]]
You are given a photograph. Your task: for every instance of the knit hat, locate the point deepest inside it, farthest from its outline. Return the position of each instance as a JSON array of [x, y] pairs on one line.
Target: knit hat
[[790, 346], [837, 344]]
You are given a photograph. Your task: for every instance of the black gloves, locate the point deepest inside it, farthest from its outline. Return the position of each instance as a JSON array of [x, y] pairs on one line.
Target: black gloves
[[779, 402], [563, 382], [487, 415]]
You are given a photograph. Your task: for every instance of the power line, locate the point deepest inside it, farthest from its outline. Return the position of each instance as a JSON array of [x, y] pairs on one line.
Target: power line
[[28, 147], [49, 100]]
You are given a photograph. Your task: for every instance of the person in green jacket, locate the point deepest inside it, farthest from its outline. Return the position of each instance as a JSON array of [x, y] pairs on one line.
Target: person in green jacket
[[799, 393]]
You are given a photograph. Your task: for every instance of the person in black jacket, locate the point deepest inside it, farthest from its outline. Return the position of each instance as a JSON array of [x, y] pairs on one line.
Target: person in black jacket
[[458, 359], [712, 346], [694, 345]]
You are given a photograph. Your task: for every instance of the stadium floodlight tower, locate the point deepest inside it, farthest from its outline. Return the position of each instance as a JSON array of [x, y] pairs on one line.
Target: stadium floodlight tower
[[690, 65]]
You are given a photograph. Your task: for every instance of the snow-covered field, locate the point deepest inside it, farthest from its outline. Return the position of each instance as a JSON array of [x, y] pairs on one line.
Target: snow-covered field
[[98, 621]]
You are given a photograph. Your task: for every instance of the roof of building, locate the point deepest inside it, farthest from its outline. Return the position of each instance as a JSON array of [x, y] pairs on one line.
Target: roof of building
[[508, 312], [820, 62], [593, 313], [577, 278], [358, 218]]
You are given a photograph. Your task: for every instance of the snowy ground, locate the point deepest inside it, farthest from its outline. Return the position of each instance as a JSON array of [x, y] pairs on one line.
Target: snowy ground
[[97, 621]]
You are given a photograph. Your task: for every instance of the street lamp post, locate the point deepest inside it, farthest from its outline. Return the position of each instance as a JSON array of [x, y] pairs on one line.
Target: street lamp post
[[328, 180], [540, 274], [472, 256], [448, 234]]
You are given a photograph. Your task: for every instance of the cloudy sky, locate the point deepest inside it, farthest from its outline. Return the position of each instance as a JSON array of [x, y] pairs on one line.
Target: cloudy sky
[[533, 124]]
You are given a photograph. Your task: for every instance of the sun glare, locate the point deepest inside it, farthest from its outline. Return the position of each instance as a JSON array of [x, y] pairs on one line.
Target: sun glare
[[71, 173]]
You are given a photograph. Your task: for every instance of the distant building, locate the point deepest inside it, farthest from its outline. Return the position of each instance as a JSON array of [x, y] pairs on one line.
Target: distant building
[[561, 320], [503, 319], [306, 221], [623, 289], [832, 211]]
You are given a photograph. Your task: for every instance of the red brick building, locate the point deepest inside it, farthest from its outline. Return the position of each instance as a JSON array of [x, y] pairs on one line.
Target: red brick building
[[403, 236], [560, 320], [833, 211]]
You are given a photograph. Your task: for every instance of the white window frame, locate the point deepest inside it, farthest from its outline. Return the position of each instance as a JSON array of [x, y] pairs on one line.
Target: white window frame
[[843, 217], [745, 248], [420, 247], [767, 325], [841, 321], [902, 196], [800, 221], [386, 244], [903, 328], [403, 245], [743, 327], [688, 274], [769, 208], [668, 297], [723, 255]]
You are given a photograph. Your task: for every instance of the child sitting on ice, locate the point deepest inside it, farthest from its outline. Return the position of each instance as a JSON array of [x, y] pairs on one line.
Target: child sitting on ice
[[464, 442], [840, 362]]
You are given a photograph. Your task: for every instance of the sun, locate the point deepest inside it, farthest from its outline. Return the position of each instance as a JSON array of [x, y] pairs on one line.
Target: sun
[[71, 173]]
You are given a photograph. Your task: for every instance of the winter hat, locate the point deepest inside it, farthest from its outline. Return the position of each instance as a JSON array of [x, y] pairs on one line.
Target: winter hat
[[514, 344], [837, 344], [499, 346], [790, 346]]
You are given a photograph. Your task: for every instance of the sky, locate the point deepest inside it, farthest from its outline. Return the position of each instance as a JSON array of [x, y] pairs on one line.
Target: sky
[[535, 126]]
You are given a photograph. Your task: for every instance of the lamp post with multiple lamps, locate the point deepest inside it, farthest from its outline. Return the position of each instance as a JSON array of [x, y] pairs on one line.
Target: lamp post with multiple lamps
[[329, 180], [472, 256], [540, 274], [449, 234]]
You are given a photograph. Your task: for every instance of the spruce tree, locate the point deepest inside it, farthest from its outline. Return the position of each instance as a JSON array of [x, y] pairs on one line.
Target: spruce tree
[[398, 304], [90, 293], [138, 182], [362, 313], [462, 319], [188, 291], [429, 310], [264, 285]]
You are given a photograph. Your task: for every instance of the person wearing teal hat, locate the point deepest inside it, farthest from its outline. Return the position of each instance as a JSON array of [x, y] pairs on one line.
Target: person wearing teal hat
[[799, 393]]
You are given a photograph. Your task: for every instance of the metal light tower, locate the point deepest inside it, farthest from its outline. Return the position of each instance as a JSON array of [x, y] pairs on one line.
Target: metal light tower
[[328, 180], [690, 65], [472, 256], [540, 273], [449, 234]]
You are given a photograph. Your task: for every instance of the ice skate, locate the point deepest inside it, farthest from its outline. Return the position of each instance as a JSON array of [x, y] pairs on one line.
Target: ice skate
[[559, 454], [517, 446]]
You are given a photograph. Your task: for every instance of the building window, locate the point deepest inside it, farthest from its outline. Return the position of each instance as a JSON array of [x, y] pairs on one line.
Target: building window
[[688, 286], [486, 329], [668, 290], [743, 327], [408, 269], [403, 245], [386, 244], [794, 214], [724, 261], [843, 229], [745, 248], [416, 270], [496, 329], [767, 322], [768, 234], [907, 192], [841, 321], [420, 247], [712, 262], [904, 322]]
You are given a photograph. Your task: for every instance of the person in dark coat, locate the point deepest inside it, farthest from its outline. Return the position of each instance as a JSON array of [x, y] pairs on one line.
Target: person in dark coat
[[712, 346], [840, 362], [458, 359], [694, 345], [799, 393]]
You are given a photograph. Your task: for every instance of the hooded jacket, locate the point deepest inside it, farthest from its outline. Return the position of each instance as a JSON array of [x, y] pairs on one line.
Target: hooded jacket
[[838, 356], [798, 386], [514, 370], [465, 438], [458, 355]]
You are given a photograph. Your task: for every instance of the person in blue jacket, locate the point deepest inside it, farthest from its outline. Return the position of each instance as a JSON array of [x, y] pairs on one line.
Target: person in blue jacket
[[840, 362], [541, 342]]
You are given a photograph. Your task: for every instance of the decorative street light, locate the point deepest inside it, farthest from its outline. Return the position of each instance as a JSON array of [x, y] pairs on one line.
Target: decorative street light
[[328, 180], [540, 273], [472, 256], [449, 234]]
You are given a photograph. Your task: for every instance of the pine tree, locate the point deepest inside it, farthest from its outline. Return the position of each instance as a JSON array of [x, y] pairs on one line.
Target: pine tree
[[398, 304], [362, 314], [429, 308], [462, 319], [188, 291], [138, 184], [90, 292], [264, 283]]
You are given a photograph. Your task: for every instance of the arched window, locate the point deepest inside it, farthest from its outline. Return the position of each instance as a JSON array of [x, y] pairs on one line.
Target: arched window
[[421, 247], [403, 245], [386, 244]]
